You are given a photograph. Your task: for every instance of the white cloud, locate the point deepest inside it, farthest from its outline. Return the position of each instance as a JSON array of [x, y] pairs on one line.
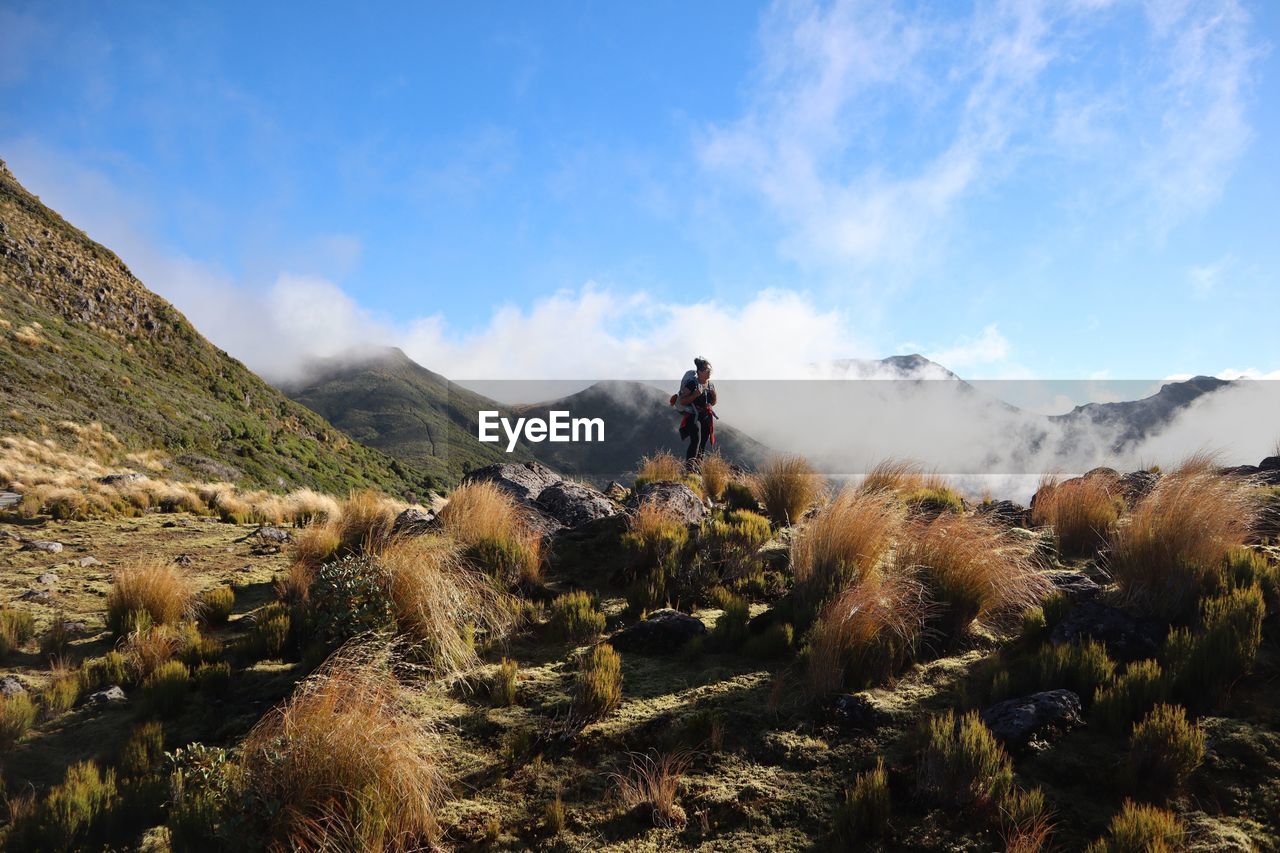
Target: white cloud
[[1206, 279], [971, 100]]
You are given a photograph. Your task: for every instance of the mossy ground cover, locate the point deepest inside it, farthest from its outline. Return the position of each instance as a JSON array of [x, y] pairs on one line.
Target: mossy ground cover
[[767, 766]]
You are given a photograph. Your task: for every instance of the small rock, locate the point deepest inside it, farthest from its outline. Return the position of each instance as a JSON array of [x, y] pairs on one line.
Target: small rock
[[106, 696], [183, 560], [573, 504], [39, 596], [414, 522], [44, 546], [10, 686], [662, 632], [273, 535], [85, 562], [616, 491], [1016, 721], [859, 711], [1004, 512], [120, 479], [1076, 584], [47, 578]]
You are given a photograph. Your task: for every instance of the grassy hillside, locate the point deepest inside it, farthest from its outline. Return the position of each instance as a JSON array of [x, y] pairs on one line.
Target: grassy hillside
[[85, 341], [392, 403]]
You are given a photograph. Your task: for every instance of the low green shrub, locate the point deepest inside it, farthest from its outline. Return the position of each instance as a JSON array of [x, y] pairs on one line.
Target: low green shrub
[[76, 812], [164, 692], [1055, 606], [271, 630], [1136, 691], [17, 713], [598, 689], [216, 604], [213, 678], [62, 691], [1164, 750], [1034, 625], [1139, 828], [56, 640], [349, 598], [1080, 667], [1205, 663], [143, 752], [109, 669], [962, 763], [553, 816], [731, 628], [774, 642], [738, 495], [205, 794], [864, 811], [574, 616]]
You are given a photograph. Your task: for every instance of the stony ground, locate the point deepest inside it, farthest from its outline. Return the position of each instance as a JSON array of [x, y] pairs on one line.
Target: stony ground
[[764, 768]]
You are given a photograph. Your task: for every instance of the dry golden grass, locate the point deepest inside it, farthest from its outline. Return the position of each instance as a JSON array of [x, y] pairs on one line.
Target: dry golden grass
[[846, 539], [715, 474], [866, 633], [662, 466], [346, 761], [436, 595], [1178, 537], [307, 507], [146, 649], [786, 486], [972, 570], [1082, 512], [900, 476], [495, 530], [653, 783], [366, 520], [152, 586]]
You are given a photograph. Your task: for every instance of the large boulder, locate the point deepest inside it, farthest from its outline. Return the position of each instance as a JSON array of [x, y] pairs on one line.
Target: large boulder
[[1137, 484], [1126, 637], [1040, 715], [1006, 513], [11, 686], [524, 481], [414, 522], [573, 504], [663, 632], [676, 498], [1074, 583]]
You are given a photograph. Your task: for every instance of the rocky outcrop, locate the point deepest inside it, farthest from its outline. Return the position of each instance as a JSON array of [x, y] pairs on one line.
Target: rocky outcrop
[[663, 632], [1126, 637], [414, 522], [555, 503], [1040, 715], [675, 498]]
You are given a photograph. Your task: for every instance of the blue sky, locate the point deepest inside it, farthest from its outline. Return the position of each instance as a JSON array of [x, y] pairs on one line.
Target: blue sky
[[1061, 190]]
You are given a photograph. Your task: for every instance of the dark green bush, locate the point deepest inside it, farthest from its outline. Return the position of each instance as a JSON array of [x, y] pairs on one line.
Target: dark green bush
[[205, 793], [1141, 828], [598, 689], [962, 763], [109, 669], [1082, 667], [502, 687], [1205, 663], [214, 679], [271, 630], [17, 713], [774, 642], [349, 599], [143, 752], [1164, 750], [216, 604], [164, 693], [574, 616], [1139, 689], [16, 628], [731, 628]]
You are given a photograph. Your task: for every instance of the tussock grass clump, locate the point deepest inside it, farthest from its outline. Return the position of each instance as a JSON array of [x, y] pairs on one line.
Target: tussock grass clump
[[1179, 537], [962, 763], [364, 525], [148, 648], [1025, 821], [864, 812], [1164, 750], [62, 690], [866, 633], [934, 500], [741, 494], [315, 545], [1205, 663], [1082, 512], [574, 617], [345, 764], [271, 630], [656, 539], [16, 628], [661, 467], [56, 640], [502, 686], [213, 678], [972, 570], [306, 507], [715, 473], [652, 783], [440, 603], [157, 588], [786, 486], [1080, 667], [1136, 691], [778, 640], [216, 604], [17, 713], [731, 628], [1141, 828], [494, 531], [898, 476], [598, 687], [846, 540], [553, 815], [1246, 567]]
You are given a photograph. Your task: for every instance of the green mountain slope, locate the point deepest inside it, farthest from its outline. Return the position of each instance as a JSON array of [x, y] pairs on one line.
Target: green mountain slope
[[85, 341], [388, 401]]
